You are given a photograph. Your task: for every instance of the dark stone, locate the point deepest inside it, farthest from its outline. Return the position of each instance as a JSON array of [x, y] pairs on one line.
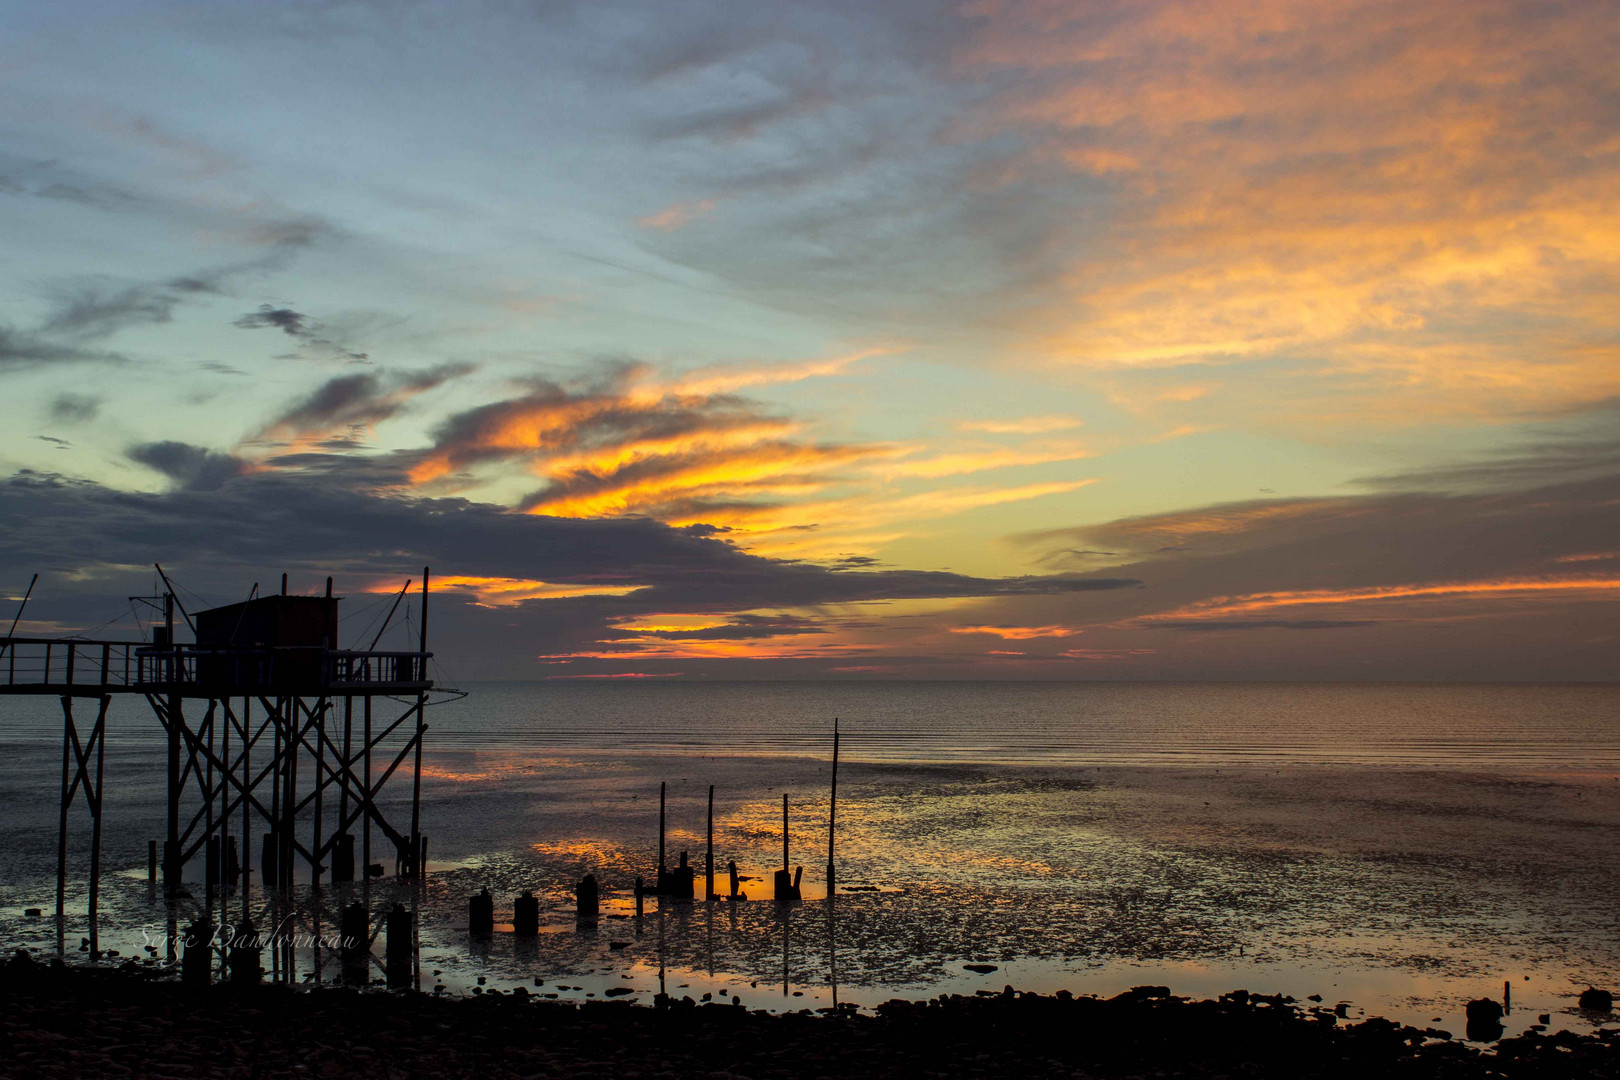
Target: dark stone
[[982, 969], [1597, 1000], [1484, 1020]]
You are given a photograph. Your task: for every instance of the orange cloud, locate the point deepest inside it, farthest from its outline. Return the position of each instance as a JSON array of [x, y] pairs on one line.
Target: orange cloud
[[1018, 633], [726, 380], [971, 461], [504, 591], [619, 675], [1529, 588], [1029, 425]]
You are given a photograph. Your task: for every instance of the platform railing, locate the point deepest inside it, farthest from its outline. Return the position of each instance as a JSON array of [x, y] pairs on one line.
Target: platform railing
[[45, 665]]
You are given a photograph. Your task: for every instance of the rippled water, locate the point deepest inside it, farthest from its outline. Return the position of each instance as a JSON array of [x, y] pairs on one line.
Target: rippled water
[[1402, 847]]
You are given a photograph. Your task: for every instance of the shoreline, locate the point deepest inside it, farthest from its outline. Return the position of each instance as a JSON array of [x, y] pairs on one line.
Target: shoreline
[[64, 1021]]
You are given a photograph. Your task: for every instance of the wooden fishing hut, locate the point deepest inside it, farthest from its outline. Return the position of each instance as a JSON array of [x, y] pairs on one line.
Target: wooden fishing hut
[[271, 728]]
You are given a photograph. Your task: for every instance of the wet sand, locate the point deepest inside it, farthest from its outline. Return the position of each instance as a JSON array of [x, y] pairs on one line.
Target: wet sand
[[62, 1022]]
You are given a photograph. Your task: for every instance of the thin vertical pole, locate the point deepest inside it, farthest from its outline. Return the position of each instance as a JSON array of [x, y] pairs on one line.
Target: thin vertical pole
[[171, 852], [289, 804], [61, 830], [99, 737], [247, 778], [275, 807], [661, 786], [225, 789], [784, 831], [320, 787], [207, 778], [365, 815], [708, 870], [421, 713], [348, 768], [832, 812]]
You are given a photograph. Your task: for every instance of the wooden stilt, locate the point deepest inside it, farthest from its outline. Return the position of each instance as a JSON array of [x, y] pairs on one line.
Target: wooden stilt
[[61, 831], [99, 737]]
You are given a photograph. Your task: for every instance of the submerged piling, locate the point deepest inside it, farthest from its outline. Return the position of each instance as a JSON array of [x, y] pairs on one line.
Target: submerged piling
[[481, 913], [588, 900], [399, 947], [786, 886], [526, 915]]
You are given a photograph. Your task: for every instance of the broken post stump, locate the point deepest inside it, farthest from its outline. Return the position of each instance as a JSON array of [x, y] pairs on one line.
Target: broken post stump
[[481, 913], [526, 915]]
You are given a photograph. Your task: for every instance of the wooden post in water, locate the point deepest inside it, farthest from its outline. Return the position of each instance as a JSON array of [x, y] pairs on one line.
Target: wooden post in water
[[99, 737], [784, 833], [61, 832], [708, 870], [832, 813], [661, 787]]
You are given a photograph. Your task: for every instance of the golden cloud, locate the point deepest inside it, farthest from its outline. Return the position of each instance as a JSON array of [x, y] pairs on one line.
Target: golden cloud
[[1383, 196]]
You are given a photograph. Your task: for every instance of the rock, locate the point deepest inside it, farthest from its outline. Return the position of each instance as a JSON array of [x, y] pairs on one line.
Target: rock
[[1484, 1020], [617, 991], [982, 969], [617, 945], [32, 913], [1595, 999]]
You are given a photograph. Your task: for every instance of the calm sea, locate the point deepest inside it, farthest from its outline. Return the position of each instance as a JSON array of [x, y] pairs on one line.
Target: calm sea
[[1400, 847]]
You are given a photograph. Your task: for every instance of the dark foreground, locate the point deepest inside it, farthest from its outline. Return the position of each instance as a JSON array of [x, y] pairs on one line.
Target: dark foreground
[[75, 1023]]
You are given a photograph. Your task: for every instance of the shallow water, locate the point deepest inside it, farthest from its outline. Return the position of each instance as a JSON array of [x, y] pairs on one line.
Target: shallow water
[[1401, 848]]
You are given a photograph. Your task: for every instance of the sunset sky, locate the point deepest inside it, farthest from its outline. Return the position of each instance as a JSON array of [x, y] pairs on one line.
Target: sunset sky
[[1080, 340]]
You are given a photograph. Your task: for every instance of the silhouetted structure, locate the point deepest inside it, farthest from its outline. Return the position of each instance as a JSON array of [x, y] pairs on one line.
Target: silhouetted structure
[[269, 725]]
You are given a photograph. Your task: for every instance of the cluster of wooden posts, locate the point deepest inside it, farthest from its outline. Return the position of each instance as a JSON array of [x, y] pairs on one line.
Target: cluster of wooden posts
[[672, 883]]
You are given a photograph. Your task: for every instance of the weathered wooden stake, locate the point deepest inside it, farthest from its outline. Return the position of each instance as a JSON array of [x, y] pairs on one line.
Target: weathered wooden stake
[[708, 871], [832, 812]]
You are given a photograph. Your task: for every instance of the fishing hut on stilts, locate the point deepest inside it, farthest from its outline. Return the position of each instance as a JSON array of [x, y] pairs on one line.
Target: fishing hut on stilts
[[272, 733]]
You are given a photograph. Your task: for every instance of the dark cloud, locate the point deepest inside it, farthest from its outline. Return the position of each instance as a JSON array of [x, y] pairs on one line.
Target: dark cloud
[[192, 468], [1489, 582], [251, 526], [1580, 450], [90, 310], [99, 197], [60, 444], [296, 325], [20, 349], [288, 321], [358, 400], [74, 408]]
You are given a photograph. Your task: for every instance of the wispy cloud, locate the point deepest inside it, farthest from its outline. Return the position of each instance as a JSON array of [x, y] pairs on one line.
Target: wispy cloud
[[677, 216], [1028, 425]]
